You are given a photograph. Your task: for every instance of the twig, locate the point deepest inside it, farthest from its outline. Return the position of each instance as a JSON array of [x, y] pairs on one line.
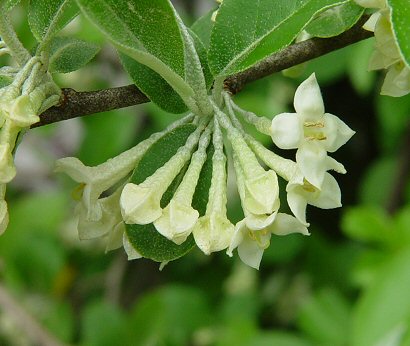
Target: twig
[[28, 325], [75, 104], [296, 54]]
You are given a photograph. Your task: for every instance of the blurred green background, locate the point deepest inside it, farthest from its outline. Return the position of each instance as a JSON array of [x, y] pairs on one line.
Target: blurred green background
[[346, 284]]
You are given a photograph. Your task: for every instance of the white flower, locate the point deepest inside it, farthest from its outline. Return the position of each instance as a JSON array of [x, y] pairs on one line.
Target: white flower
[[213, 231], [310, 130], [252, 243], [179, 217], [300, 193], [95, 180], [387, 53], [7, 168], [109, 222], [140, 204]]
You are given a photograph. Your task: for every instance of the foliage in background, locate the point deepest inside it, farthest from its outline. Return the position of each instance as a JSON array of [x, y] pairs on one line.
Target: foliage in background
[[345, 285]]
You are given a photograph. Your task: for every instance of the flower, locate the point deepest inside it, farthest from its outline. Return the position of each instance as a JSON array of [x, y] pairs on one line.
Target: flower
[[252, 243], [140, 204], [310, 130], [179, 217], [387, 53], [300, 193], [213, 231]]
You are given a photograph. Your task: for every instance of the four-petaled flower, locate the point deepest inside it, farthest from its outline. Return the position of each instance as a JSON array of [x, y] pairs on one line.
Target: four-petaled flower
[[312, 131]]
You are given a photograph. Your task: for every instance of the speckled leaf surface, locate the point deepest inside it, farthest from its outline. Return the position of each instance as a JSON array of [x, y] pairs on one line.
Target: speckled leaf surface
[[245, 31], [335, 20], [400, 15], [48, 17]]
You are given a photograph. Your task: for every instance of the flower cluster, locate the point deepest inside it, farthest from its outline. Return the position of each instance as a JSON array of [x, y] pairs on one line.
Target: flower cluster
[[387, 53], [109, 200], [31, 92]]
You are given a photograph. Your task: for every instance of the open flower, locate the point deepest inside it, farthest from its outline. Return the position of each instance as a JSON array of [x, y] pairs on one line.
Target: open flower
[[252, 243], [310, 130], [301, 193]]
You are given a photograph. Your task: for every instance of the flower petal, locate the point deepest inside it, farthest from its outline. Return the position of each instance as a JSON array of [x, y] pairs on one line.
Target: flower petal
[[132, 253], [397, 81], [140, 205], [297, 203], [213, 233], [250, 253], [177, 221], [308, 100], [286, 130], [286, 224], [7, 168], [258, 222], [262, 193], [311, 158], [329, 196], [337, 132], [115, 237]]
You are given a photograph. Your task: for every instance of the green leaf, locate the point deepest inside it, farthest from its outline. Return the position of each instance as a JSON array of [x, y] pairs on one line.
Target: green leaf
[[384, 309], [146, 31], [9, 4], [145, 238], [325, 317], [203, 57], [69, 54], [246, 32], [153, 85], [335, 20], [103, 324], [169, 316], [400, 17], [203, 28], [47, 17], [366, 223]]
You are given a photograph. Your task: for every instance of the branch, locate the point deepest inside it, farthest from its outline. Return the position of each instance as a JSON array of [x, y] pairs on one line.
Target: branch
[[27, 324], [76, 104]]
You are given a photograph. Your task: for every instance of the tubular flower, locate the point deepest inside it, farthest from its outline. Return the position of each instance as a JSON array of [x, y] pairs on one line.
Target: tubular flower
[[213, 231], [179, 217], [387, 54], [140, 204], [95, 180], [310, 130]]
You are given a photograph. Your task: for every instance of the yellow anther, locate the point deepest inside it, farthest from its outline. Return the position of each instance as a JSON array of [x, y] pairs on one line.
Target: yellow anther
[[317, 124]]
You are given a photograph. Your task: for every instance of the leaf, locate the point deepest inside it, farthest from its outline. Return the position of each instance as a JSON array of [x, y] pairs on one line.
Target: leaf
[[384, 308], [153, 319], [335, 20], [367, 224], [47, 17], [9, 4], [147, 32], [400, 17], [203, 28], [325, 317], [153, 85], [246, 32], [203, 57], [145, 238], [69, 54]]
